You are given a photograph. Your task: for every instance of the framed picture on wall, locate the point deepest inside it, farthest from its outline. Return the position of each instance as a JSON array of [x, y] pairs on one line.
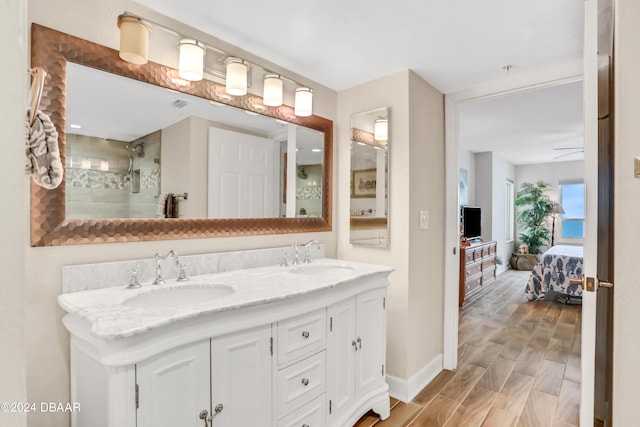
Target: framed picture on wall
[[363, 183]]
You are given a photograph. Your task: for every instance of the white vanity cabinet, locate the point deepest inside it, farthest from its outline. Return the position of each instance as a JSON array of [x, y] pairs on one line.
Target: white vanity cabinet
[[232, 373], [284, 350], [356, 355]]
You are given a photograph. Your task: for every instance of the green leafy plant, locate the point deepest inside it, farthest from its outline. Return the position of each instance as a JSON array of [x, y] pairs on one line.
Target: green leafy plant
[[535, 208]]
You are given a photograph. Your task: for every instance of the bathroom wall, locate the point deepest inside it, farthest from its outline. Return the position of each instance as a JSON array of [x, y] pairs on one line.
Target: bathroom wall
[[414, 303], [47, 341], [15, 205]]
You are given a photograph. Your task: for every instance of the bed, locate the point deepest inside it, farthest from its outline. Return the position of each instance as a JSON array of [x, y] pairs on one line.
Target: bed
[[554, 270]]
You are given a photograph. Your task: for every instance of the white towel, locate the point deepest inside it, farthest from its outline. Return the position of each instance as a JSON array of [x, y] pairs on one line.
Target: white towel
[[43, 154]]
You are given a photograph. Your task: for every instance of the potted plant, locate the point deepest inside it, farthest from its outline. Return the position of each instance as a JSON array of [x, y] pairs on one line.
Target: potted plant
[[535, 208]]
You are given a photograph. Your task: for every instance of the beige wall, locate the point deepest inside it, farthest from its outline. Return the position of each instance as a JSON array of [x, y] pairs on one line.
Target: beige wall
[[416, 133], [426, 247], [13, 224], [47, 341], [626, 348]]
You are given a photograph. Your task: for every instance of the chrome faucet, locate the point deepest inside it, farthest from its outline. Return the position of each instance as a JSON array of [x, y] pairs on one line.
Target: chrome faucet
[[306, 254], [182, 276]]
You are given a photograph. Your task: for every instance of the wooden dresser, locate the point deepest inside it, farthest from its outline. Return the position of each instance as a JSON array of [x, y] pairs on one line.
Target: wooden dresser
[[477, 270]]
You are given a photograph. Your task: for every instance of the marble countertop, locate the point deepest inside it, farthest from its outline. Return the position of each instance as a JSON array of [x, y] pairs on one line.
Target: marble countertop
[[110, 319]]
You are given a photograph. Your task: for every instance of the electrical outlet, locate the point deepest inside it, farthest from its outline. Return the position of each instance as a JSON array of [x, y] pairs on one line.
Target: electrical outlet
[[424, 220]]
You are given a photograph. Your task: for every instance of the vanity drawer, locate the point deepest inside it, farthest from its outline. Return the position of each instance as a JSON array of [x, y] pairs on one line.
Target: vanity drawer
[[300, 383], [477, 254], [312, 414], [301, 336]]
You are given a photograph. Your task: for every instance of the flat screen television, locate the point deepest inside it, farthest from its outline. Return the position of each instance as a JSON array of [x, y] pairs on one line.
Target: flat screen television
[[471, 217]]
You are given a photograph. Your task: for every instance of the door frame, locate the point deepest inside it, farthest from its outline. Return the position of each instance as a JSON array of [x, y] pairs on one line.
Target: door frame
[[452, 145], [571, 73]]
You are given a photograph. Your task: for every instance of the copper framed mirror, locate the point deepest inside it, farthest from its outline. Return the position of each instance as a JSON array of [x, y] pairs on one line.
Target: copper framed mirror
[[50, 223]]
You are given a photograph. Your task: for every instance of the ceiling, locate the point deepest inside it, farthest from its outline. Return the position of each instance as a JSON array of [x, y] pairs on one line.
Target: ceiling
[[537, 126], [452, 44]]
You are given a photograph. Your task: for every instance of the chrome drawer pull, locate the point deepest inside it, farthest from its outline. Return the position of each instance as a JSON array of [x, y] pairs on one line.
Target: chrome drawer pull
[[305, 425], [305, 334], [305, 381]]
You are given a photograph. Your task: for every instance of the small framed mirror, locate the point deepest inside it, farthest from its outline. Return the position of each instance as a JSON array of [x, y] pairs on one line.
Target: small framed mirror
[[369, 219]]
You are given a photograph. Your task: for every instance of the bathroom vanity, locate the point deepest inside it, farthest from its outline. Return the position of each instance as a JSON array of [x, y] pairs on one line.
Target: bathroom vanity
[[270, 346]]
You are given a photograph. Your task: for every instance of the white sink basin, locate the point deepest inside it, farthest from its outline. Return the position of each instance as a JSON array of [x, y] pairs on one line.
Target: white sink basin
[[323, 269], [179, 296]]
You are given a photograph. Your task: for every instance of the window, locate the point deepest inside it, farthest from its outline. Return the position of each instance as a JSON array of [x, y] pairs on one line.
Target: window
[[572, 201], [509, 213]]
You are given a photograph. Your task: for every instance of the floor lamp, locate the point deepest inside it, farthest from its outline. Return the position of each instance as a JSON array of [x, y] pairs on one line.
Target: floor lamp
[[555, 210]]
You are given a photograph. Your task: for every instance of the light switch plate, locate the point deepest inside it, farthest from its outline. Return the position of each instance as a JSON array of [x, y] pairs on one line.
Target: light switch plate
[[424, 220], [637, 167]]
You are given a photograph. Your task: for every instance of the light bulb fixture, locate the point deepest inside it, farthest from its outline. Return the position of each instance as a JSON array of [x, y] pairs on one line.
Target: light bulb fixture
[[272, 91], [303, 102], [237, 72], [134, 39], [191, 65], [381, 129]]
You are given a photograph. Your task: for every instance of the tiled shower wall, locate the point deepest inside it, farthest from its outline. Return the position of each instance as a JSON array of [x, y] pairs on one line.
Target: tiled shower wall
[[96, 193]]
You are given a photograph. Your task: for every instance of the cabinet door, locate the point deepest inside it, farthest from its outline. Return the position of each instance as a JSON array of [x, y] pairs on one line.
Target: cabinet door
[[341, 357], [174, 387], [241, 378], [370, 325]]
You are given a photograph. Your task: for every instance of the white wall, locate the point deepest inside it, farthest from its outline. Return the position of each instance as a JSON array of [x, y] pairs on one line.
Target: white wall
[[553, 173], [626, 346], [13, 223], [416, 180], [467, 160], [502, 171], [492, 171], [47, 341]]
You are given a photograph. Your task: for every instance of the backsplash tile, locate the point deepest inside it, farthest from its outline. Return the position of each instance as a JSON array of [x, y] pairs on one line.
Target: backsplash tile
[[104, 275]]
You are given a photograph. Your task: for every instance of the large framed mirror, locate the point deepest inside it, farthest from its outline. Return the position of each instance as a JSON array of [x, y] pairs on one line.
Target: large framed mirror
[[149, 156], [369, 207]]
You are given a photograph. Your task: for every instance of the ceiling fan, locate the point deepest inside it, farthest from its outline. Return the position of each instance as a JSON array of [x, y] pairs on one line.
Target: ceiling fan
[[574, 150]]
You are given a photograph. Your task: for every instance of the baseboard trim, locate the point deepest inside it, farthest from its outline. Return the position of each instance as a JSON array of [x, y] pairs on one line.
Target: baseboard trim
[[406, 390]]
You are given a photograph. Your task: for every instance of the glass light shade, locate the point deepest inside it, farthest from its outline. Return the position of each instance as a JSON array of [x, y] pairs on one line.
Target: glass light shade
[[303, 102], [134, 39], [191, 65], [236, 77], [381, 129], [272, 91]]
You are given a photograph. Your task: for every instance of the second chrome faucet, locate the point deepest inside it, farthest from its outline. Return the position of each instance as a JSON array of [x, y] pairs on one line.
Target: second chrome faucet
[[182, 275]]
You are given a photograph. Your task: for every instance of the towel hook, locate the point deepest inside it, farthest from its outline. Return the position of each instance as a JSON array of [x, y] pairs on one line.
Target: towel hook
[[37, 87]]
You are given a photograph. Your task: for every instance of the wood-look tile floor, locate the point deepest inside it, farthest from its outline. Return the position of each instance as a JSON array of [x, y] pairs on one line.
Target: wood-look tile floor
[[518, 365]]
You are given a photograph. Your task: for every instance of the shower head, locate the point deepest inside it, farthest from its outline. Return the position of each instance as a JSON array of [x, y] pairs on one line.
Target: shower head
[[138, 149]]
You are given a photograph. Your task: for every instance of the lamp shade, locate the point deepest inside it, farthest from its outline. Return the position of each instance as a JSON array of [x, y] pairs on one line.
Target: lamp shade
[[381, 130], [237, 72], [557, 208], [191, 65], [134, 39], [272, 91], [303, 102]]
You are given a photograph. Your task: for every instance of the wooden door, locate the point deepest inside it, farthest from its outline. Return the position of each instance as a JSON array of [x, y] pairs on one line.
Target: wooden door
[[604, 304], [241, 378], [173, 388]]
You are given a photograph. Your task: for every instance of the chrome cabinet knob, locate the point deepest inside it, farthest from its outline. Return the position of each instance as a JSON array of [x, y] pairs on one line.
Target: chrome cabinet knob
[[305, 381], [305, 334]]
